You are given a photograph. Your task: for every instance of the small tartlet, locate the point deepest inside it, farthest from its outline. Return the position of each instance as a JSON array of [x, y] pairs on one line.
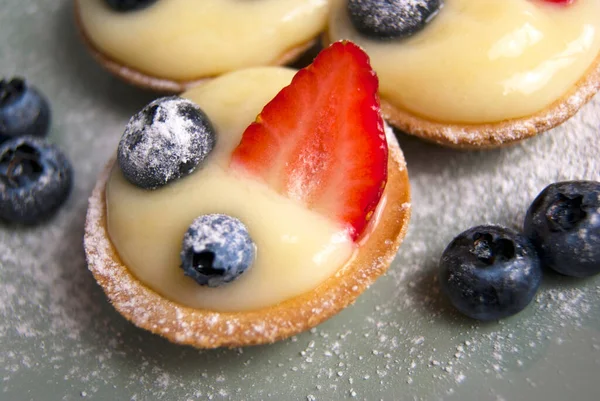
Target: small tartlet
[[501, 133], [145, 80], [456, 131], [365, 187], [208, 329]]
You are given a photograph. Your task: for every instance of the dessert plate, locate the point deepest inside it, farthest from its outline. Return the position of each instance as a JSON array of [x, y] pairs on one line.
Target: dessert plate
[[61, 340]]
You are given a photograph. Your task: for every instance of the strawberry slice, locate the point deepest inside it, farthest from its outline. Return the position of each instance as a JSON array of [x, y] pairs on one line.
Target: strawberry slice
[[320, 141], [561, 2]]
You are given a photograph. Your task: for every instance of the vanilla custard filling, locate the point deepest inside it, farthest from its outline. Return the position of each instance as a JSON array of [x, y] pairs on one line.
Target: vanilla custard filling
[[483, 61], [296, 249], [189, 39]]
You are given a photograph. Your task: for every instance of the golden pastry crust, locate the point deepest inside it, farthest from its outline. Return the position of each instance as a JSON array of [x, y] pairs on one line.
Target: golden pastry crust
[[208, 329], [492, 135], [140, 79]]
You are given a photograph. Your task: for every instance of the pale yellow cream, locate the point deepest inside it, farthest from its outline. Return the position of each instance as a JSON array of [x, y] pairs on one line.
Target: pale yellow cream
[[189, 39], [483, 61], [296, 248]]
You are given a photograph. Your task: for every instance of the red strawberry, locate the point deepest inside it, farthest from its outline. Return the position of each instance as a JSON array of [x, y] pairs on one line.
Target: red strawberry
[[320, 141], [562, 2]]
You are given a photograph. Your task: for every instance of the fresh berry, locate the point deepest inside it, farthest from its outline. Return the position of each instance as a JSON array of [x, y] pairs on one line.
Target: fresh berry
[[216, 250], [563, 223], [320, 141], [490, 272], [561, 2], [35, 179], [165, 141], [392, 19], [23, 110], [129, 5]]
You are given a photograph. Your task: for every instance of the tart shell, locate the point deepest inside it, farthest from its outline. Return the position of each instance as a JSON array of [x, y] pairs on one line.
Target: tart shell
[[492, 135], [209, 329], [146, 81]]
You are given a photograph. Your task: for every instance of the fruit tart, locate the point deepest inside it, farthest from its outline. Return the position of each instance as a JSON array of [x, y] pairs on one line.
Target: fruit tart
[[171, 45], [215, 227], [472, 73]]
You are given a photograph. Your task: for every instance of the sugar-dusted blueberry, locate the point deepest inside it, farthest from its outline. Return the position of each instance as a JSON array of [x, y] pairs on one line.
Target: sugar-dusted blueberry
[[216, 249], [165, 141], [23, 110], [391, 19], [35, 180], [129, 5], [490, 272], [563, 223]]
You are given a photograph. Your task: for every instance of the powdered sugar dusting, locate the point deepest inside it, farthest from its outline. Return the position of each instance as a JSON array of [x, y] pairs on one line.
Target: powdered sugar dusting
[[165, 141], [392, 19], [399, 334], [226, 239]]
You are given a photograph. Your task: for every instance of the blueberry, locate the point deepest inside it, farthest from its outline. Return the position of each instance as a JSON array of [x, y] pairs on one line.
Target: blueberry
[[129, 5], [35, 180], [216, 249], [563, 223], [490, 272], [392, 19], [165, 141], [23, 110]]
